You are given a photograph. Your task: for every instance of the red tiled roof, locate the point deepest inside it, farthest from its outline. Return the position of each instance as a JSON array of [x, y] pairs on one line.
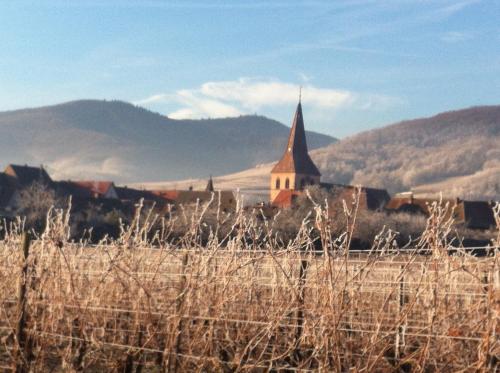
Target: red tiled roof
[[296, 158], [398, 203], [285, 198], [98, 187], [171, 195]]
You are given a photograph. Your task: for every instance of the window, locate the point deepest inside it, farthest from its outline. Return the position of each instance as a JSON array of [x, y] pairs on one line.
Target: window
[[278, 183], [287, 184], [302, 183]]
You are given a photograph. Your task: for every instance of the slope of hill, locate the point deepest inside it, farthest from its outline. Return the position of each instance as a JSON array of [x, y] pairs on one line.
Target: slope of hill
[[119, 141], [455, 152]]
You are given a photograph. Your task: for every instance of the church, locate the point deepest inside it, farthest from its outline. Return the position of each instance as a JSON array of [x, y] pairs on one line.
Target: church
[[296, 171]]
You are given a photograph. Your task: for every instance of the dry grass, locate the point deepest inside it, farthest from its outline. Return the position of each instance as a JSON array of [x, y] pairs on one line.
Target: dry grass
[[248, 302]]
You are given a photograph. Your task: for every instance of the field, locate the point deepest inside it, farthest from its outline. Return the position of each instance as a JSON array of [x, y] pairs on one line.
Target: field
[[246, 303]]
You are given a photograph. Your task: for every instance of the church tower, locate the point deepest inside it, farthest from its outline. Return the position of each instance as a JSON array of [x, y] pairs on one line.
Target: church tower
[[296, 169]]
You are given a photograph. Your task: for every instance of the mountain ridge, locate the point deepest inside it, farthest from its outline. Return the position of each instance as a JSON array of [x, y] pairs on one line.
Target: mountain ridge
[[116, 140]]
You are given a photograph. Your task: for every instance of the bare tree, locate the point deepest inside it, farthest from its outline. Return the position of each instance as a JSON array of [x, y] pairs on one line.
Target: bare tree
[[34, 201]]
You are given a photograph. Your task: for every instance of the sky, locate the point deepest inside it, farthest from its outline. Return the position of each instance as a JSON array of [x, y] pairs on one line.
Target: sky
[[361, 63]]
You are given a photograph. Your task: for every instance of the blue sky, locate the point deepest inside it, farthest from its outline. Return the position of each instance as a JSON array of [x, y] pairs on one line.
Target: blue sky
[[362, 63]]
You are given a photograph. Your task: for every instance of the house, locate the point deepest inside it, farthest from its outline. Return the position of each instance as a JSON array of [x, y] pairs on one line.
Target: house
[[23, 176], [14, 179], [372, 199], [296, 171], [98, 189], [70, 188], [472, 214]]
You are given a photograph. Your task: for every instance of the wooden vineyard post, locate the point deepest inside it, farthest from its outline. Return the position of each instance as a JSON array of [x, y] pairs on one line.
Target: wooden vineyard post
[[304, 263], [401, 302], [22, 354], [180, 300]]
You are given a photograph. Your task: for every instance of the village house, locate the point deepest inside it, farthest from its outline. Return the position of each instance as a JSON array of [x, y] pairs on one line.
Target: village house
[[296, 171], [14, 179], [99, 189], [471, 214]]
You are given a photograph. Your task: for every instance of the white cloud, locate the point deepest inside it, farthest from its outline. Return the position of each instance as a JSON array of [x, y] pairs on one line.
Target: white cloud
[[456, 6], [201, 106], [250, 95], [254, 94], [152, 99]]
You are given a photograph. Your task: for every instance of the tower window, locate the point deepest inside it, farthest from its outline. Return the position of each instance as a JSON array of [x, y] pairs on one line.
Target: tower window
[[278, 183], [287, 183], [302, 183]]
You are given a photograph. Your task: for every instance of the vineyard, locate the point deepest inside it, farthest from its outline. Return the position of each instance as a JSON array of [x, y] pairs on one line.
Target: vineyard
[[247, 302]]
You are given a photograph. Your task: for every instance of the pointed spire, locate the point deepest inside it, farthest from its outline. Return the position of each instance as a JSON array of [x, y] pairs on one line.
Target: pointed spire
[[210, 185], [297, 143], [296, 158]]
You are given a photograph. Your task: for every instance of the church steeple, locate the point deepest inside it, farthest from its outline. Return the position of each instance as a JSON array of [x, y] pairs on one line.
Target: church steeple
[[296, 158], [210, 185], [296, 169]]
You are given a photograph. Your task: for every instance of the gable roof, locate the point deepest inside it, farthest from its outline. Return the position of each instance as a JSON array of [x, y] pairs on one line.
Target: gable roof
[[26, 175], [96, 187], [286, 198], [372, 198], [296, 157], [69, 188]]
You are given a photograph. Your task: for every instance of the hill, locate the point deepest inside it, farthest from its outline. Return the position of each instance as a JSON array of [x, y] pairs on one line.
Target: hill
[[119, 141], [456, 152]]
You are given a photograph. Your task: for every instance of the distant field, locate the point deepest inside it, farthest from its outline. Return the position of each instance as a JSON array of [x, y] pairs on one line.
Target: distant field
[[253, 184]]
